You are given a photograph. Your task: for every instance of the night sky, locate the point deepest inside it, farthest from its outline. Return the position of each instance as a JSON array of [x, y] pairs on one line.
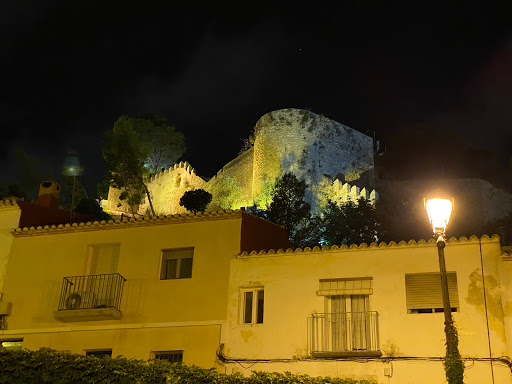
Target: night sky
[[69, 69]]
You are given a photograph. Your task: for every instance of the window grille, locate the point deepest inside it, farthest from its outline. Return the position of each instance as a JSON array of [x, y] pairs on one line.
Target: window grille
[[99, 353], [169, 356]]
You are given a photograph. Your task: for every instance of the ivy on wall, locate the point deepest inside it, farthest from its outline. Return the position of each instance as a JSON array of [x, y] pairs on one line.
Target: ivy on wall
[[227, 194], [49, 366]]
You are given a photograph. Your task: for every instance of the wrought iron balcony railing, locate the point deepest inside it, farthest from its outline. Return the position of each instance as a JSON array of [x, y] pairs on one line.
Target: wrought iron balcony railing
[[344, 333], [92, 291]]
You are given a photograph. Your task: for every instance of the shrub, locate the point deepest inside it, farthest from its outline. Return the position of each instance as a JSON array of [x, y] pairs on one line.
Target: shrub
[[49, 366]]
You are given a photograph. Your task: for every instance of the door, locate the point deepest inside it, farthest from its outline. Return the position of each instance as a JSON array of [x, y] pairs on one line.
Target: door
[[338, 323], [349, 322], [360, 321], [100, 269]]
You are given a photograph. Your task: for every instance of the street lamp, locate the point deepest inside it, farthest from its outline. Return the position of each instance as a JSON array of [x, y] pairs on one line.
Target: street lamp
[[439, 211], [72, 168]]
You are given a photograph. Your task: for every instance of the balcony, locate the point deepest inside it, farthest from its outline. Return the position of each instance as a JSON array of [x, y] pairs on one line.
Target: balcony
[[344, 334], [90, 298]]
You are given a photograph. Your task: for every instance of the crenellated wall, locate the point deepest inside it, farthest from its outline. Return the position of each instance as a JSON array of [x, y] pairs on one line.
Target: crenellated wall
[[333, 159], [166, 189], [340, 192]]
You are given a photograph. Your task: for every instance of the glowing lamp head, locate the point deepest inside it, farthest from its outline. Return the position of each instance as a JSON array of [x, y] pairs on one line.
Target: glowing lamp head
[[439, 211]]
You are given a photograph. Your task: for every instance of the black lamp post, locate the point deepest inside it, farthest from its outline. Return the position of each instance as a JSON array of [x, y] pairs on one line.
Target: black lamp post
[[439, 211]]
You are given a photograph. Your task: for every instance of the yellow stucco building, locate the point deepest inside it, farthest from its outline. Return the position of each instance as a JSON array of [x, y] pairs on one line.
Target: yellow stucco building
[[223, 290], [152, 288]]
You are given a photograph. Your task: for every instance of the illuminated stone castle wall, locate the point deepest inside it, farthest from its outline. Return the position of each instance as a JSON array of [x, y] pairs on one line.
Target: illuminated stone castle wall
[[314, 148], [166, 189], [329, 156]]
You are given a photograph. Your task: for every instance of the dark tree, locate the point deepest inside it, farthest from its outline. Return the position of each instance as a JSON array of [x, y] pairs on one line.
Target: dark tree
[[92, 207], [403, 215], [15, 190], [125, 155], [165, 142], [137, 147], [196, 200], [351, 223], [290, 209]]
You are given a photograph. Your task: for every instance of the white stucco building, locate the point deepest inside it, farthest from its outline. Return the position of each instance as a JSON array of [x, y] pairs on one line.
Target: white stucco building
[[371, 312]]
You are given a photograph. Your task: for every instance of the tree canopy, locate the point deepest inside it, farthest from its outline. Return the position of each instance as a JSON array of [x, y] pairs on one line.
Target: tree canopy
[[196, 200], [92, 207], [290, 209], [335, 223], [137, 147], [351, 223], [166, 144]]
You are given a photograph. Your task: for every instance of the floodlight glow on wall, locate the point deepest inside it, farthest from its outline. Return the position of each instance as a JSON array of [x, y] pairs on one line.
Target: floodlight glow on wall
[[439, 211]]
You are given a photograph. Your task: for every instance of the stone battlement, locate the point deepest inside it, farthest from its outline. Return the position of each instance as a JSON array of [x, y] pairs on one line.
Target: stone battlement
[[8, 203], [346, 191], [184, 165]]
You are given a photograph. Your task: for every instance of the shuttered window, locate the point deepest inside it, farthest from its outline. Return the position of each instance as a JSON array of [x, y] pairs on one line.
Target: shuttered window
[[423, 292]]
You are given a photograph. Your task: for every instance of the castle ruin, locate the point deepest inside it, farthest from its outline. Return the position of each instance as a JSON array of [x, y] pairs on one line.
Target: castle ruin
[[334, 160]]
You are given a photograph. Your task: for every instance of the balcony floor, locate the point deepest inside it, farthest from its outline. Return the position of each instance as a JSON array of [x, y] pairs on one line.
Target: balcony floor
[[92, 314]]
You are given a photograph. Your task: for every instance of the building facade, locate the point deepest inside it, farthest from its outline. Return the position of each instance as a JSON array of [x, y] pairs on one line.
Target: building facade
[[371, 312], [154, 288], [224, 290]]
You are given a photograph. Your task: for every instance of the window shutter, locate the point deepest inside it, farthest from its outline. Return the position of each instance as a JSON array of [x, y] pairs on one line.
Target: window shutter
[[423, 290]]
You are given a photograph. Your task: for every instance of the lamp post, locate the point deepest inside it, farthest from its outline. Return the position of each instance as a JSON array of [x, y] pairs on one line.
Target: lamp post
[[439, 211], [74, 170]]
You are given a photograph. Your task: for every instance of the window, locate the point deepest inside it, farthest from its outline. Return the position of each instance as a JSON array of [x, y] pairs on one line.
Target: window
[[350, 323], [252, 305], [102, 258], [99, 353], [169, 356], [11, 345], [176, 264], [423, 292]]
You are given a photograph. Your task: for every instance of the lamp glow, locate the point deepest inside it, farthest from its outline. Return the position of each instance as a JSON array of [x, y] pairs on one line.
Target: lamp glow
[[439, 211]]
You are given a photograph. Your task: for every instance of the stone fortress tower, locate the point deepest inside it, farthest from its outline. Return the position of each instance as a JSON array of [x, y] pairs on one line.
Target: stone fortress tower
[[313, 147], [332, 158]]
